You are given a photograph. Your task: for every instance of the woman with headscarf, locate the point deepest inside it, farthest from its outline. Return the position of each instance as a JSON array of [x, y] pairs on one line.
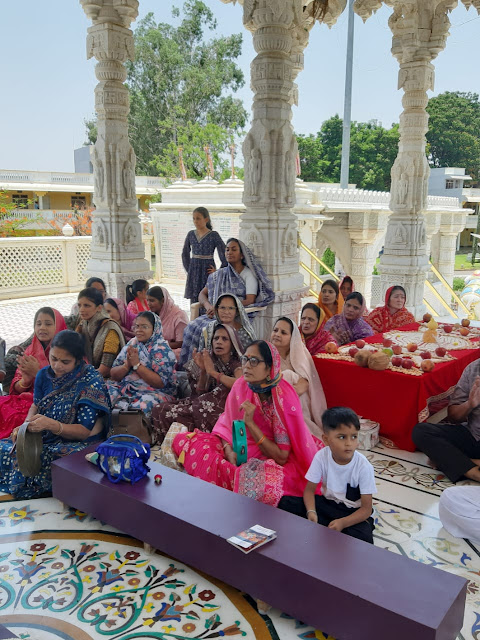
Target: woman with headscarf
[[103, 336], [393, 314], [173, 319], [349, 325], [279, 446], [118, 311], [330, 299], [346, 286], [71, 410], [143, 372], [312, 329], [212, 373], [14, 407], [243, 278], [299, 370], [229, 311]]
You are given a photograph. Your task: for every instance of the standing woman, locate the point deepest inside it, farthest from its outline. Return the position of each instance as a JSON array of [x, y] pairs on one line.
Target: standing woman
[[197, 254], [103, 336], [393, 314], [314, 336], [173, 319], [137, 296], [330, 299], [14, 407]]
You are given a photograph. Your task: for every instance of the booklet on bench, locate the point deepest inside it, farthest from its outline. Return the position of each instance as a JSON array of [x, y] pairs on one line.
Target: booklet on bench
[[252, 538]]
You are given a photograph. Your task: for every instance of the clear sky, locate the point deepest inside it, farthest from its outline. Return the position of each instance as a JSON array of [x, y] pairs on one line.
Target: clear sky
[[47, 83]]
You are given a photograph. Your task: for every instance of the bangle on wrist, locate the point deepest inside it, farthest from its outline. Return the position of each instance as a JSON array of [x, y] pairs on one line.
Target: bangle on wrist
[[24, 386], [312, 511], [261, 440], [60, 428]]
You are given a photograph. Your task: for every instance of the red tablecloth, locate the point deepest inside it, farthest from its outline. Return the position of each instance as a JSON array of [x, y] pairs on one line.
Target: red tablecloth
[[396, 400]]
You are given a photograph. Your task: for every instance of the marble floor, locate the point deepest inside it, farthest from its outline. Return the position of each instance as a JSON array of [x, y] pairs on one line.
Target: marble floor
[[65, 575]]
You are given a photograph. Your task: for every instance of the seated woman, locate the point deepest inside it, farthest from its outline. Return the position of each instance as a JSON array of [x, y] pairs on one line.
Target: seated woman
[[298, 369], [229, 311], [144, 369], [279, 445], [14, 407], [173, 319], [243, 277], [71, 409], [350, 326], [346, 286], [212, 374], [2, 360], [311, 328], [137, 296], [393, 314], [117, 310], [96, 283], [103, 337], [330, 300]]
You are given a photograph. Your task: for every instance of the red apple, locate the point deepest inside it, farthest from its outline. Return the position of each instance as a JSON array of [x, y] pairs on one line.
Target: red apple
[[447, 328], [440, 351], [464, 331], [465, 322], [331, 347], [427, 317], [396, 361], [427, 365], [407, 363], [425, 355], [411, 346], [360, 343], [387, 342], [352, 351], [397, 349]]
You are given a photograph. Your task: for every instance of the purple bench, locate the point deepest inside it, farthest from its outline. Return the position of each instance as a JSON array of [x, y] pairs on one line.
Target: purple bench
[[335, 583]]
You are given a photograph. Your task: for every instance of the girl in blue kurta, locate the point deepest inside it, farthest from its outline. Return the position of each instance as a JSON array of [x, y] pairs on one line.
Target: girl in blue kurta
[[197, 254]]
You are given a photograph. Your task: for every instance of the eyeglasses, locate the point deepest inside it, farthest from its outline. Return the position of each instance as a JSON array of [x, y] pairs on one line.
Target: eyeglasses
[[252, 360], [226, 308], [141, 326]]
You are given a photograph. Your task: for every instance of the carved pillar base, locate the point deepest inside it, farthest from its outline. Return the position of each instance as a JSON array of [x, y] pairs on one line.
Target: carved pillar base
[[363, 261]]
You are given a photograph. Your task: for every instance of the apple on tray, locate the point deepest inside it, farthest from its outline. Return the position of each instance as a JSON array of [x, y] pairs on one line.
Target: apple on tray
[[387, 342], [397, 349], [331, 347], [447, 328], [464, 331], [465, 322], [352, 351], [425, 355], [411, 346], [360, 343], [427, 317], [407, 363], [427, 365], [396, 361], [440, 352]]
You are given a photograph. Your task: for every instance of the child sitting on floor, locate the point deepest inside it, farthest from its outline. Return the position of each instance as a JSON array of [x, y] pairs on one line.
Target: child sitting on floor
[[347, 477]]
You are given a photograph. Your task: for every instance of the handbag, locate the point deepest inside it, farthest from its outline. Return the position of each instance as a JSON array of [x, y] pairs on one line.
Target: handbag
[[123, 457], [131, 422], [239, 441]]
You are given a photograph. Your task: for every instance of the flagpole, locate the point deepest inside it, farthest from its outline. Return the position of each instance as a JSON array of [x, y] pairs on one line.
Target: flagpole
[[347, 105]]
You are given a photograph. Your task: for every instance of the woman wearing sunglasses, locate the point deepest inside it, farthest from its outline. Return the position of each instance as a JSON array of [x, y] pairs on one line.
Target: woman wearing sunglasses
[[276, 445]]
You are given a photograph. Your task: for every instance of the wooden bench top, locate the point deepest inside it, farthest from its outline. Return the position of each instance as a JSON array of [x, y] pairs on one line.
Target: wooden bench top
[[335, 583]]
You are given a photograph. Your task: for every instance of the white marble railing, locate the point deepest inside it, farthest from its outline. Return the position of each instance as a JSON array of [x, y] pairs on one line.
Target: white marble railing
[[354, 196], [41, 265], [34, 214], [45, 178], [443, 201]]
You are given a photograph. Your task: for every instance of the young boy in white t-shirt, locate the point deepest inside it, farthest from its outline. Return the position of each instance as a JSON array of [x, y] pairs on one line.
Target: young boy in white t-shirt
[[348, 480]]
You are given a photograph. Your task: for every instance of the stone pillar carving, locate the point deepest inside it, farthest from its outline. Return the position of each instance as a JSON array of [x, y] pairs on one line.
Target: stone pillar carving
[[420, 30], [280, 31], [117, 251]]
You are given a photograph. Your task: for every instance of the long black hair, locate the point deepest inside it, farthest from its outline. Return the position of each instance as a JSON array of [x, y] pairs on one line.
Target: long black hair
[[204, 212], [134, 288]]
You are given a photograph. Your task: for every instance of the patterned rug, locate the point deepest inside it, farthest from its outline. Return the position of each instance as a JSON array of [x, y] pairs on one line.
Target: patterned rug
[[66, 576]]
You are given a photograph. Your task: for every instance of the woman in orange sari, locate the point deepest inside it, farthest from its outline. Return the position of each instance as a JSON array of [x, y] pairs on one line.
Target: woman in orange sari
[[312, 330], [330, 299], [393, 314]]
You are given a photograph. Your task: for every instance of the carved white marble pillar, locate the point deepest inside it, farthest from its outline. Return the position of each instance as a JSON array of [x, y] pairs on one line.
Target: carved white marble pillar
[[117, 251], [420, 30], [280, 31]]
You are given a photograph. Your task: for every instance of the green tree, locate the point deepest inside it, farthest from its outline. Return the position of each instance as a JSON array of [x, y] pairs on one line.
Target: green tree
[[373, 150], [454, 131], [180, 82]]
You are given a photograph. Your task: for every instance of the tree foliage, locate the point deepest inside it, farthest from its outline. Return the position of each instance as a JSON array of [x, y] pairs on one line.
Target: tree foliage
[[454, 131], [181, 84], [373, 150]]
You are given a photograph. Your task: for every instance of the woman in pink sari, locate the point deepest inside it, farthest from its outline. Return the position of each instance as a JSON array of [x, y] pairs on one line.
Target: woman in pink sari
[[14, 407], [279, 445], [173, 319], [118, 311]]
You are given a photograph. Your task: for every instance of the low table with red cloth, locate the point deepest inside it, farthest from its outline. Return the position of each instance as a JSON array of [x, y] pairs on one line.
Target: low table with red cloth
[[397, 401]]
